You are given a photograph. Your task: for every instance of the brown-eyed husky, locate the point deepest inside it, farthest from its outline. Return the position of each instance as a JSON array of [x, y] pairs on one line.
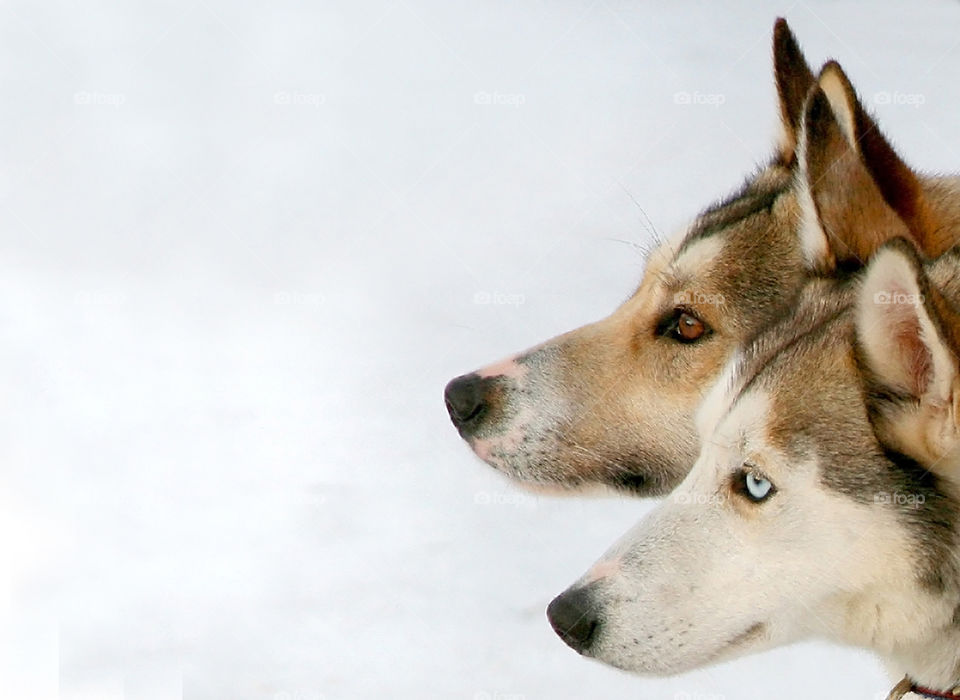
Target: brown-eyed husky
[[612, 403]]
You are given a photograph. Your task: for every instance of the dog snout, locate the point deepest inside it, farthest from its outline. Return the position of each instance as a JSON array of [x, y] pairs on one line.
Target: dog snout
[[574, 616], [466, 401]]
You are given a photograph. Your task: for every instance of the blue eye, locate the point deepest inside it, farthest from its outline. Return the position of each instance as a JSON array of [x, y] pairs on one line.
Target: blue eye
[[757, 487]]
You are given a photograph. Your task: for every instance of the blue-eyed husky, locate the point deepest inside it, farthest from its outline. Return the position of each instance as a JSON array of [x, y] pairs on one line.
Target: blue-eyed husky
[[612, 403], [825, 501]]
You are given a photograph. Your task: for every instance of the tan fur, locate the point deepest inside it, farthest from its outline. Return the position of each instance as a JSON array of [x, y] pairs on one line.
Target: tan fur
[[612, 403], [900, 187], [857, 191], [942, 196]]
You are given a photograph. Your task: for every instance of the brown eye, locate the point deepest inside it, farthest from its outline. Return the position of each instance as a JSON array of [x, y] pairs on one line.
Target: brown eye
[[689, 327], [682, 326]]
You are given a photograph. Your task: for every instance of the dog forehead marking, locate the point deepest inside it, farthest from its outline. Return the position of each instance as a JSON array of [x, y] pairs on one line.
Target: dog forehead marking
[[746, 417], [662, 256], [733, 419], [692, 260]]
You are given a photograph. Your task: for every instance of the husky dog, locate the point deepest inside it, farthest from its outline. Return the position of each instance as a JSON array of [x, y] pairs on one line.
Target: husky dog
[[825, 501], [612, 403]]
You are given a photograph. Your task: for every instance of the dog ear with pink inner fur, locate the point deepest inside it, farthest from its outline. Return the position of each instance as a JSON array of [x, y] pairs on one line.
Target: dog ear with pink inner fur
[[908, 336]]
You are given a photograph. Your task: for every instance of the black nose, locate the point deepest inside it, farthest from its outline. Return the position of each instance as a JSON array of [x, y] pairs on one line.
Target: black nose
[[464, 397], [573, 616]]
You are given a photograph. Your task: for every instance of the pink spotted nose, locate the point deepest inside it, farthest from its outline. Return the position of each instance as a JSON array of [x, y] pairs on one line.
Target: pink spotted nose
[[479, 402]]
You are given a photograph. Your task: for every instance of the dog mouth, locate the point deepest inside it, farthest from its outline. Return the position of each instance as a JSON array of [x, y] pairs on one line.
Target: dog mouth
[[644, 475], [633, 483], [517, 454]]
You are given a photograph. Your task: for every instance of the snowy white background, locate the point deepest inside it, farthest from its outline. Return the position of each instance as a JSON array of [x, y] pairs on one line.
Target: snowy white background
[[242, 249]]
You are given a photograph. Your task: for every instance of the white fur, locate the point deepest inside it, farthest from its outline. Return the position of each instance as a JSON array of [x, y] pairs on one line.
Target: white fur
[[832, 85], [682, 587], [813, 239], [717, 400], [698, 256]]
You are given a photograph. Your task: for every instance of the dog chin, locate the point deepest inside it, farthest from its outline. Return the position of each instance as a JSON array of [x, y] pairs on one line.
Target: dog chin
[[535, 476], [644, 664], [559, 487]]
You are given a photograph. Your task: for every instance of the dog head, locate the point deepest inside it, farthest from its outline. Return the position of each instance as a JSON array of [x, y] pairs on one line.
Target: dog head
[[612, 403], [824, 501]]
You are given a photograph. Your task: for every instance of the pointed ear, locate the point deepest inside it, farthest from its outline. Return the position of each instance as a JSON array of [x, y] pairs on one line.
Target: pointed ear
[[855, 191], [899, 328], [794, 80], [906, 335], [898, 184]]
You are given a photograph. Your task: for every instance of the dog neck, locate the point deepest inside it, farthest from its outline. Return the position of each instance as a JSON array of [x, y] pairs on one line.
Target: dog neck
[[932, 667], [908, 690]]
